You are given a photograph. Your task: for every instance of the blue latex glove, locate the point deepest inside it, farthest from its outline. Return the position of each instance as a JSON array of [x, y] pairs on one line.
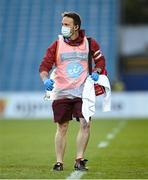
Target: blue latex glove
[[48, 83], [95, 76]]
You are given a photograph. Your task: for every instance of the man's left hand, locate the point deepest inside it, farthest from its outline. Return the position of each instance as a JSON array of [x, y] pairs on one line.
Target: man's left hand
[[95, 76]]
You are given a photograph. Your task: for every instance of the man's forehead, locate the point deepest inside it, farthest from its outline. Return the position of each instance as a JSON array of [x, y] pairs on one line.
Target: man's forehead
[[67, 20]]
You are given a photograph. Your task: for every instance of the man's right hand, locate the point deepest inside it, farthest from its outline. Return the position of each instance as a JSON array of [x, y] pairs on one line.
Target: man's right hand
[[48, 83]]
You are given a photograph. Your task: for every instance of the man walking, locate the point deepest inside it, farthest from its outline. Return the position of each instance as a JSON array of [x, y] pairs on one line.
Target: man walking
[[69, 55]]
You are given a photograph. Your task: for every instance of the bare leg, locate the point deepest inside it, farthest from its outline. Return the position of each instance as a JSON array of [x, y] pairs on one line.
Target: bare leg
[[82, 138], [60, 141]]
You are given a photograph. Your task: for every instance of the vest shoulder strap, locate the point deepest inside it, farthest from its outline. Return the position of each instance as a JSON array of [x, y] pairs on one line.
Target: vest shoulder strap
[[89, 56]]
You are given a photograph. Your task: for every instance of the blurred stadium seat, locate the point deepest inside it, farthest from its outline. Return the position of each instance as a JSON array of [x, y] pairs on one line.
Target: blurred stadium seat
[[27, 27]]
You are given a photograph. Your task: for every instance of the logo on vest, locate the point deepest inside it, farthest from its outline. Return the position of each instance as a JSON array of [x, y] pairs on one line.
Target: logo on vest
[[74, 69], [71, 56]]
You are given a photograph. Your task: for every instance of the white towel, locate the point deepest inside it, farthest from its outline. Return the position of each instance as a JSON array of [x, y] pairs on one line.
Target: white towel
[[104, 81], [88, 96]]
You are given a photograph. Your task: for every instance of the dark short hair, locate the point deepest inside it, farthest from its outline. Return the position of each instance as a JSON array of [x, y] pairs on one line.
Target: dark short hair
[[76, 17]]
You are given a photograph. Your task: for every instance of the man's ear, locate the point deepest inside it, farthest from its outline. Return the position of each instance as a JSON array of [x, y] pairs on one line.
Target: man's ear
[[76, 27]]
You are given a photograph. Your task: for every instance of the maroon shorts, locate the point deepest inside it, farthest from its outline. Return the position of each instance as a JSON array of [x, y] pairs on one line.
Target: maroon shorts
[[65, 109]]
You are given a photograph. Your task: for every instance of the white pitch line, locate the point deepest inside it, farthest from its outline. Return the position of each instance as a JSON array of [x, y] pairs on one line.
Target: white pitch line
[[103, 144], [116, 130], [76, 175], [110, 136], [120, 126]]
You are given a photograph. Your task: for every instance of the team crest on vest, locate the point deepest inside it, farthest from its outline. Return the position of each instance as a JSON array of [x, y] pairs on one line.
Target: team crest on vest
[[74, 69]]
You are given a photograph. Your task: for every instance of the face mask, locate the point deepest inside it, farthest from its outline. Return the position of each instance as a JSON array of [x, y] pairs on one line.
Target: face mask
[[66, 31]]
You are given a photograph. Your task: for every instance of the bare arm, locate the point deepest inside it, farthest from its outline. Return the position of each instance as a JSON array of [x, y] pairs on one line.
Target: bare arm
[[44, 75]]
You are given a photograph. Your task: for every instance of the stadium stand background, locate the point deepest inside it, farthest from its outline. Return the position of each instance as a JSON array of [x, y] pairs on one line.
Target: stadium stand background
[[133, 58], [27, 27]]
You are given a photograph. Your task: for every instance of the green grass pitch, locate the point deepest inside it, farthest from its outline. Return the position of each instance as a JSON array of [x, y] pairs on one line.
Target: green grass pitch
[[27, 150]]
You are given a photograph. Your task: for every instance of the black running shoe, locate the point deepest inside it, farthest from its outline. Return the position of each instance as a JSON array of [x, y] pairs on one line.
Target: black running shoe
[[80, 165], [58, 166]]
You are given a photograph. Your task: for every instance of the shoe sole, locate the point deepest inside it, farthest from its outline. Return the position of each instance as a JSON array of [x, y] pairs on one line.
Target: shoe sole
[[76, 169]]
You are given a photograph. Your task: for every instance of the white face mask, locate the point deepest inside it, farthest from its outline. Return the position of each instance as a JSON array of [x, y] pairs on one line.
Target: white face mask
[[66, 31]]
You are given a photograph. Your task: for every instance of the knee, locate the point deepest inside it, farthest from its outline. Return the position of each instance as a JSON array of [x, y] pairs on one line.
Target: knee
[[85, 126], [62, 128]]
